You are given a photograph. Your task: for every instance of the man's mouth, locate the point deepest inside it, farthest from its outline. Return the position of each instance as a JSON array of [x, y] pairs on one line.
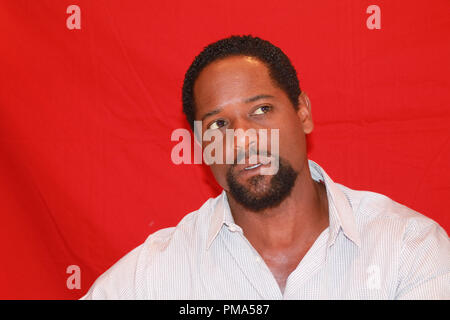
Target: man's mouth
[[263, 161], [253, 167]]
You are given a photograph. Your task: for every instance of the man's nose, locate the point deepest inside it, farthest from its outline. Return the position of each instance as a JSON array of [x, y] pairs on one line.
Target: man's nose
[[245, 139]]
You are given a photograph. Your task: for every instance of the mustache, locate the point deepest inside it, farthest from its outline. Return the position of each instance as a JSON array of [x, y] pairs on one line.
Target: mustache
[[252, 151]]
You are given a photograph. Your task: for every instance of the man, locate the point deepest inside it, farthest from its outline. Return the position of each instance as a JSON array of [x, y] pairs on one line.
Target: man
[[293, 234]]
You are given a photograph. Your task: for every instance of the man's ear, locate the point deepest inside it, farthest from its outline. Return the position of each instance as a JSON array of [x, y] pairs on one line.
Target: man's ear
[[304, 113]]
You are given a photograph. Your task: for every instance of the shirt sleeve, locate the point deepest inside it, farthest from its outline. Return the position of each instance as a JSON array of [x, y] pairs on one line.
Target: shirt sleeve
[[123, 281], [424, 270]]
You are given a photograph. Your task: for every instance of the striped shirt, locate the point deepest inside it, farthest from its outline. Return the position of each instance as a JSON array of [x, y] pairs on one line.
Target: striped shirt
[[373, 248]]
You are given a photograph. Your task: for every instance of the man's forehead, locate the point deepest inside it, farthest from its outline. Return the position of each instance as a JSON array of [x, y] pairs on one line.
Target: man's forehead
[[233, 64], [232, 79]]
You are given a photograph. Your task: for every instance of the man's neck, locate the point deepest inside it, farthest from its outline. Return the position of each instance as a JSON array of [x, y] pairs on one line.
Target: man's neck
[[297, 221]]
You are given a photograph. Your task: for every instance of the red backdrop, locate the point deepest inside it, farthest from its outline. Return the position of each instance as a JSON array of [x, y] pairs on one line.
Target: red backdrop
[[86, 117]]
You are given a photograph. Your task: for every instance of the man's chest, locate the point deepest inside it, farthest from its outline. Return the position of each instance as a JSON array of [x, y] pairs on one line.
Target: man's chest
[[282, 264]]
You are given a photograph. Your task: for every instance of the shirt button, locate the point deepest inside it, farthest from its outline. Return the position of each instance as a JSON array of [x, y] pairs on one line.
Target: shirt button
[[258, 259]]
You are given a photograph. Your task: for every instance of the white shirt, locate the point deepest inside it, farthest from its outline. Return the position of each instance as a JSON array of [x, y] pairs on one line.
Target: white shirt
[[373, 248]]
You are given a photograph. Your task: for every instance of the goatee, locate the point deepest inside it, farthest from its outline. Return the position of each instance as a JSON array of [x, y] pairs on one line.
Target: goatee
[[260, 194]]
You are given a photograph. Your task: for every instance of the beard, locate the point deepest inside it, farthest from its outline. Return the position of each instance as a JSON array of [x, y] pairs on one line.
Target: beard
[[262, 191]]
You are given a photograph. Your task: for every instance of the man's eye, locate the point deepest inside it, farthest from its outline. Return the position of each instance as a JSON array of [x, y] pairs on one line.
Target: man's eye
[[262, 110], [217, 124]]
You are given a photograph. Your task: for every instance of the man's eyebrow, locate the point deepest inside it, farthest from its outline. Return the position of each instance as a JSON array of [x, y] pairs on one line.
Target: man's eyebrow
[[258, 97], [211, 113], [248, 100]]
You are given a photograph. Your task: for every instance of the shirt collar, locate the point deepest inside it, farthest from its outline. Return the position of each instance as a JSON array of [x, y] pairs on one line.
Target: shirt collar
[[341, 216], [221, 215]]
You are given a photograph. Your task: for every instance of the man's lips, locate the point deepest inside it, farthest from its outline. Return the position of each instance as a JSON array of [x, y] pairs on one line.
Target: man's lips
[[252, 165]]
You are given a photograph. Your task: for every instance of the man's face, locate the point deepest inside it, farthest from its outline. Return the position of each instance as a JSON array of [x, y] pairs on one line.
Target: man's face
[[238, 93]]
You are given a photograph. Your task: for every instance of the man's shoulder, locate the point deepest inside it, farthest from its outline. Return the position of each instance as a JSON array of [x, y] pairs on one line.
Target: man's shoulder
[[125, 279], [372, 210], [415, 246], [191, 231]]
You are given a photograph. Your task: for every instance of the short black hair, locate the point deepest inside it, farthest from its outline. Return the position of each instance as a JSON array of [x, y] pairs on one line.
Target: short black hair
[[280, 67]]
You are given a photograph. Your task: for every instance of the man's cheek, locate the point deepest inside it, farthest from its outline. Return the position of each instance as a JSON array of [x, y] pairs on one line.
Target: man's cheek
[[220, 172]]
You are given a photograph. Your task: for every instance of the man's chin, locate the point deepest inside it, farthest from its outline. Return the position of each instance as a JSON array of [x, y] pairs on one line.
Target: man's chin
[[257, 186], [257, 192]]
